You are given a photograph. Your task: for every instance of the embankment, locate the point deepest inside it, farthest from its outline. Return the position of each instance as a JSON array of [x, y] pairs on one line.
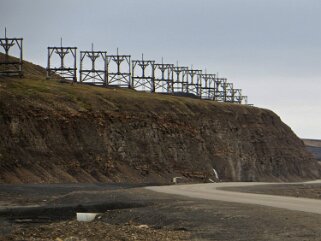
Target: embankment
[[59, 132]]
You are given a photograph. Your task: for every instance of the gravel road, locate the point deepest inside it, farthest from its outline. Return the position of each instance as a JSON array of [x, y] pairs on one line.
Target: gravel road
[[212, 192]]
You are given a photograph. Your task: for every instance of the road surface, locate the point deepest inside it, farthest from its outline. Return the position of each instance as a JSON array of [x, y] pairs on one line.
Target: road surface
[[211, 192]]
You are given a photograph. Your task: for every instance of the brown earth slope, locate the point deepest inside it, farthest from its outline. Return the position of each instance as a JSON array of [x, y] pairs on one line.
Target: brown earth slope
[[59, 132]]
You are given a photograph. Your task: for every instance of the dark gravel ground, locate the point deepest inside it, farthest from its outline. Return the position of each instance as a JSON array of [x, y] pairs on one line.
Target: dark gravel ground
[[164, 217]]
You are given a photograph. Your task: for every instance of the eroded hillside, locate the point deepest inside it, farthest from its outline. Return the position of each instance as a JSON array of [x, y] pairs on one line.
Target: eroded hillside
[[61, 132]]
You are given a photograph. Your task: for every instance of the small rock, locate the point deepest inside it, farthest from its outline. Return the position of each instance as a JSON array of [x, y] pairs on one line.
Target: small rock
[[143, 226]]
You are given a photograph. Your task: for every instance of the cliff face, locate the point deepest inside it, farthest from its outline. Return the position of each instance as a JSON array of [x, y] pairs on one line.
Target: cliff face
[[55, 132]]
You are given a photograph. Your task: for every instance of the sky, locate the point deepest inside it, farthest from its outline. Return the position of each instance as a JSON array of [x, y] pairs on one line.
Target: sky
[[271, 49]]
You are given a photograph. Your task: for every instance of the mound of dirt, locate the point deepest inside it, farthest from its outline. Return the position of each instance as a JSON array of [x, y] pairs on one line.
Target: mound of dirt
[[61, 132]]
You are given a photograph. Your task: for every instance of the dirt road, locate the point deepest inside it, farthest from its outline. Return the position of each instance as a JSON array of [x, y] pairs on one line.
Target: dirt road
[[212, 192]]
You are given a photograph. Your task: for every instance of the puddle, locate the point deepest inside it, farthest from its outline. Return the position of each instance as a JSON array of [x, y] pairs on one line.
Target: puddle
[[49, 214]]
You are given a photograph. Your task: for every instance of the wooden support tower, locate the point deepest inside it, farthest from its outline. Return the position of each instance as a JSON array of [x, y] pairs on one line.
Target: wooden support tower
[[143, 75], [119, 70], [10, 66], [219, 90], [237, 96], [163, 77], [64, 70], [228, 92], [245, 100], [89, 72], [207, 86], [194, 81], [180, 82]]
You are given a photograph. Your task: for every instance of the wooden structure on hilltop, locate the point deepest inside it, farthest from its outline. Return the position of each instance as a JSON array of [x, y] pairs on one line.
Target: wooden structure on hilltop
[[93, 74], [10, 66], [65, 70], [142, 75]]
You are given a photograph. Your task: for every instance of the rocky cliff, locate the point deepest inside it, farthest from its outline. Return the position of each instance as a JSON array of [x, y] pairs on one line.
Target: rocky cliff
[[59, 132]]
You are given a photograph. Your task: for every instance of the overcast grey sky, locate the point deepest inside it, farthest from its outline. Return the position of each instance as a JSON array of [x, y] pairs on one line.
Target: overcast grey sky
[[269, 48]]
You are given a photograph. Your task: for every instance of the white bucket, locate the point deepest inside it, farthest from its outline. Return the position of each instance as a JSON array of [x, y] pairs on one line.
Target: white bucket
[[86, 217]]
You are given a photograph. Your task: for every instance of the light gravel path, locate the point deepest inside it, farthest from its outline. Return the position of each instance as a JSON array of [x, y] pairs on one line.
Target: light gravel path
[[211, 192]]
